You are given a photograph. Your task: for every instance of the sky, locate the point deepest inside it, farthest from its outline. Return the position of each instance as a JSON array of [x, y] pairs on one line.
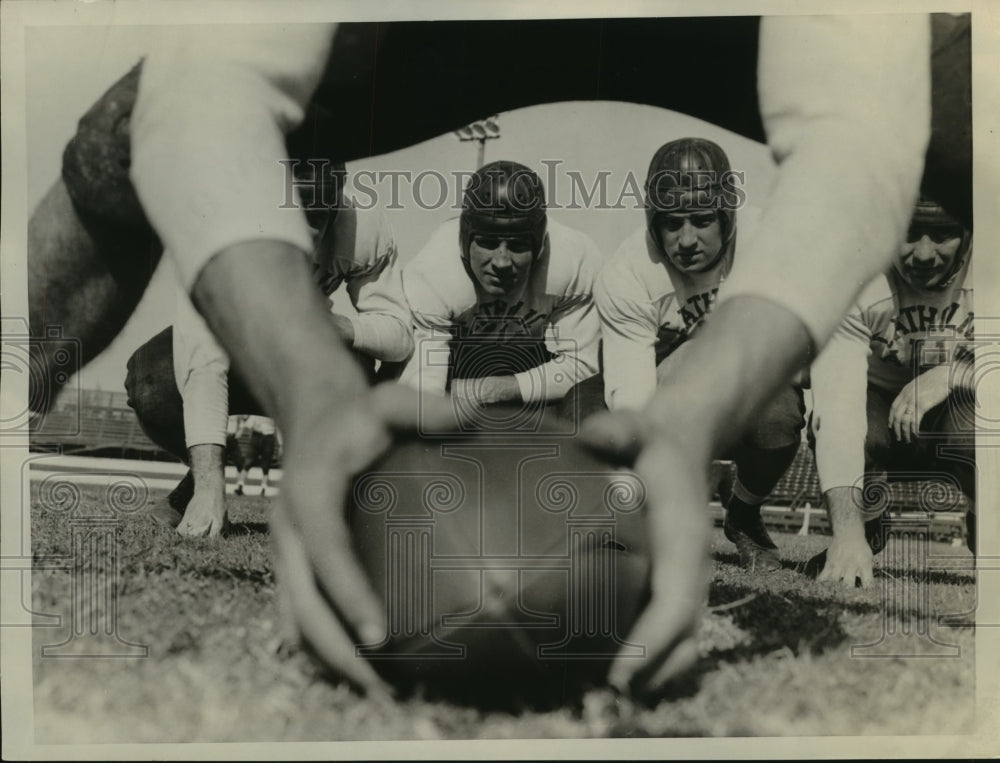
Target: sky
[[591, 139]]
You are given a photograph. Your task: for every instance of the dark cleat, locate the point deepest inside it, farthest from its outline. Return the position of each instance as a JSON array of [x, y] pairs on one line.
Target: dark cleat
[[181, 495], [758, 553], [877, 532], [238, 490]]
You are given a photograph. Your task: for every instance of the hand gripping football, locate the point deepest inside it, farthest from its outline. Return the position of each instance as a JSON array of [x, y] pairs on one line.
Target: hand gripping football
[[511, 568]]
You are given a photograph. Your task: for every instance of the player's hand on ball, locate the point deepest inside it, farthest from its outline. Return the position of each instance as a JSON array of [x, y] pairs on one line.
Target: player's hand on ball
[[848, 562], [676, 497], [921, 394], [326, 596]]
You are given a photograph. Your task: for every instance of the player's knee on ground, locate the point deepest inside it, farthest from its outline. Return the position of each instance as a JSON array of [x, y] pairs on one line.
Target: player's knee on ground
[[153, 395]]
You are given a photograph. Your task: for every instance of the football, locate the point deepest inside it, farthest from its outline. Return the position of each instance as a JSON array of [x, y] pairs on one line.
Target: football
[[511, 567]]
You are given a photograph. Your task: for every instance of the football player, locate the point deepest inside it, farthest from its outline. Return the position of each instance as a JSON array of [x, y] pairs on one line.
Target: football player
[[891, 391], [260, 451], [657, 289], [501, 297], [353, 246]]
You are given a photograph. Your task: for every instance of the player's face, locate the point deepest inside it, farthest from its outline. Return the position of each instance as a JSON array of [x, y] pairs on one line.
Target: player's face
[[928, 255], [691, 240], [500, 263]]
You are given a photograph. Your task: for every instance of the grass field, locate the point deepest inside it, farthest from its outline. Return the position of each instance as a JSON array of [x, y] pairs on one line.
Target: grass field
[[775, 654]]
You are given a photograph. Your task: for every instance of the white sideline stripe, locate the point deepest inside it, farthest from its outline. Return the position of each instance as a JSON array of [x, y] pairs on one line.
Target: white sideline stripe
[[107, 465], [88, 470]]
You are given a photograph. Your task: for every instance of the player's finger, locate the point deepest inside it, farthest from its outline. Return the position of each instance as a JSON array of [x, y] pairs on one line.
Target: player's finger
[[190, 530], [899, 427], [834, 575], [897, 407], [326, 538], [616, 436], [915, 424], [866, 575], [681, 659], [659, 631], [288, 629], [312, 616]]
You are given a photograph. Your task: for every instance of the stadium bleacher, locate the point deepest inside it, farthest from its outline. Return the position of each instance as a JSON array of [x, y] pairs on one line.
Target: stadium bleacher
[[95, 423], [100, 423]]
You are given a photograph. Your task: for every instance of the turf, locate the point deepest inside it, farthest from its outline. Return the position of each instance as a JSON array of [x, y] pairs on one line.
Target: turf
[[776, 653]]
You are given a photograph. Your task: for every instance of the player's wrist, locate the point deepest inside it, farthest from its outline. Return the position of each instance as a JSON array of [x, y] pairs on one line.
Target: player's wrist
[[845, 510], [501, 389], [208, 468]]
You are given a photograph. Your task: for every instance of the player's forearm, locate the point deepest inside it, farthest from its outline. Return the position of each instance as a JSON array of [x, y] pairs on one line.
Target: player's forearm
[[552, 380], [837, 161], [201, 370], [748, 367], [840, 404], [629, 373], [427, 369], [573, 338], [206, 406], [496, 389], [844, 507], [259, 299], [382, 336], [208, 466]]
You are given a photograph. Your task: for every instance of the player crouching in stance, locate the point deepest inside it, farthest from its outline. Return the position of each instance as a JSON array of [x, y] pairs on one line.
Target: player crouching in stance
[[656, 290], [892, 391], [183, 391], [501, 298]]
